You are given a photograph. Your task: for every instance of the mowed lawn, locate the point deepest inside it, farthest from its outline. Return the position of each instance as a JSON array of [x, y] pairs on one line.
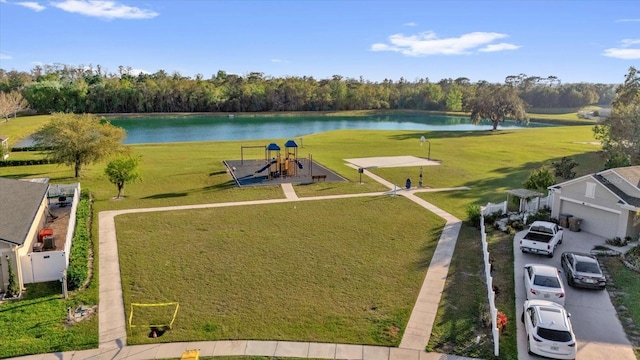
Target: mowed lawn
[[343, 270]]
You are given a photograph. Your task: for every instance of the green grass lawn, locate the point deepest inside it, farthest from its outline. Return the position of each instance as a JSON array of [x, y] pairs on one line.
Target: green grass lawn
[[345, 271], [459, 320], [36, 325], [625, 285], [190, 173]]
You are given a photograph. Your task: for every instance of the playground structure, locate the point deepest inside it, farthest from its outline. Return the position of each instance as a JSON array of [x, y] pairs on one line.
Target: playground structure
[[274, 166], [278, 165]]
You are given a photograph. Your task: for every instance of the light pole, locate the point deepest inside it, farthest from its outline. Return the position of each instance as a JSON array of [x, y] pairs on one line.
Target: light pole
[[420, 181], [422, 141]]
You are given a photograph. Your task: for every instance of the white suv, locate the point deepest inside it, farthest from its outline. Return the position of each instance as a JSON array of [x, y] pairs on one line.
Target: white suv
[[549, 331]]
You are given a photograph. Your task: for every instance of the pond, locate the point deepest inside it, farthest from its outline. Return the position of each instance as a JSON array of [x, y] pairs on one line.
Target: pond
[[208, 128]]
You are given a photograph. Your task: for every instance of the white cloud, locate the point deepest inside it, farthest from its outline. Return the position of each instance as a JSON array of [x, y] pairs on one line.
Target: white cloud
[[620, 53], [625, 51], [629, 42], [627, 20], [5, 57], [31, 5], [410, 24], [3, 1], [428, 43], [499, 47], [104, 9]]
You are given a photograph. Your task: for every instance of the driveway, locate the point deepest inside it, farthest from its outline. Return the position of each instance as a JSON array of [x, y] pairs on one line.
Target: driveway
[[599, 332]]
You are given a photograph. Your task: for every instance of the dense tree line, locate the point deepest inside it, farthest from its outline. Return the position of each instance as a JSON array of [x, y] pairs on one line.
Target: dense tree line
[[88, 89], [620, 132]]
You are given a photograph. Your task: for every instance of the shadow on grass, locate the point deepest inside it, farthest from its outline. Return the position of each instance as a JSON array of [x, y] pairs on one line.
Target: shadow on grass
[[449, 134], [165, 195]]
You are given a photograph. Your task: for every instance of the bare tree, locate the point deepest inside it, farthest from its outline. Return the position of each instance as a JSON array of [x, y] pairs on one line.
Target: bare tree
[[16, 103]]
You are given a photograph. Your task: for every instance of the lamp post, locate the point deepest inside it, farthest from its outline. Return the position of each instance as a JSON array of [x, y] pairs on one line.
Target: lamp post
[[420, 181], [429, 151], [422, 141]]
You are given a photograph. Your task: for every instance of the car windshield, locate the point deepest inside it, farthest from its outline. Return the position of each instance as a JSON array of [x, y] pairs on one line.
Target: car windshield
[[546, 281], [554, 335], [587, 267]]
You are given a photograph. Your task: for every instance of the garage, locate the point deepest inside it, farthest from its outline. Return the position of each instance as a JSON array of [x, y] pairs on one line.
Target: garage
[[596, 221]]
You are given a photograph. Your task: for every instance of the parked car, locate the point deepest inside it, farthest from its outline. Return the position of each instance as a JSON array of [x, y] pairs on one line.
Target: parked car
[[583, 270], [549, 331], [542, 238], [543, 282]]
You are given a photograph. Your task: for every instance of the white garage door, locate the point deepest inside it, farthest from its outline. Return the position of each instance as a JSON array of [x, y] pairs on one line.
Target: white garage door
[[595, 221]]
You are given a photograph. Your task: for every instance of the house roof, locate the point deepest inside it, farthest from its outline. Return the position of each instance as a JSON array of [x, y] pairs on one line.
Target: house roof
[[629, 173], [19, 204], [631, 200]]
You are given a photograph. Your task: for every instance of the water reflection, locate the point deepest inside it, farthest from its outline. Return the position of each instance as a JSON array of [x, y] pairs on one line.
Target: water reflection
[[202, 128]]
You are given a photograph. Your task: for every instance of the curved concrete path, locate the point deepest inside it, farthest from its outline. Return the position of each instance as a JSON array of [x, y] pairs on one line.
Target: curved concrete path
[[112, 324]]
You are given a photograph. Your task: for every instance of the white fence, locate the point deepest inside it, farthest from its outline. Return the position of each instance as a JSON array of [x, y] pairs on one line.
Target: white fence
[[489, 281], [48, 265], [530, 206]]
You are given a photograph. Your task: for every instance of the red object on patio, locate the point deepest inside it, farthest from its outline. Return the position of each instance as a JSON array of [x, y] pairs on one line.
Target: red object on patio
[[46, 232]]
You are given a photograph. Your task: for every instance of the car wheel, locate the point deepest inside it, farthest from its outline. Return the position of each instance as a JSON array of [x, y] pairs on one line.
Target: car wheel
[[560, 241], [570, 280], [550, 254], [529, 347]]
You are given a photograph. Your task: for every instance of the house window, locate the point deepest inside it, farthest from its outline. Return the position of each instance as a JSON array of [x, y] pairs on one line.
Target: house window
[[591, 190]]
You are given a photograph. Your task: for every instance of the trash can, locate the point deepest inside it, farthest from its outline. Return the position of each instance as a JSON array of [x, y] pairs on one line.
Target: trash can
[[408, 184], [564, 220], [574, 223]]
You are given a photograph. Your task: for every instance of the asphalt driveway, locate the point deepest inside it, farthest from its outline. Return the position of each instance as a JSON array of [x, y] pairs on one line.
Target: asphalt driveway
[[599, 332]]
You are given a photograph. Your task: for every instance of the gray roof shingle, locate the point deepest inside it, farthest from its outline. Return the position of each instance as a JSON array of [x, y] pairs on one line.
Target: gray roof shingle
[[19, 204]]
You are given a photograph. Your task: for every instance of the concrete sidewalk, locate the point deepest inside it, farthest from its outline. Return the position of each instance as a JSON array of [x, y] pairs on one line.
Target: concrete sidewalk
[[112, 324], [303, 350]]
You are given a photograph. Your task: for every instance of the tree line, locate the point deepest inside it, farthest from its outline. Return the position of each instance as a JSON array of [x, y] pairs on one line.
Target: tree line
[[88, 89]]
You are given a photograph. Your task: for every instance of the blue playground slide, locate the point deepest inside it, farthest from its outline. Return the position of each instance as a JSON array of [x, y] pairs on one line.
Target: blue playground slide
[[299, 164], [266, 166]]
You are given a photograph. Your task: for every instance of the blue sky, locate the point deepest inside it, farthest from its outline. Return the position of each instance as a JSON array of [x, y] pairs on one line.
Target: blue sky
[[577, 41]]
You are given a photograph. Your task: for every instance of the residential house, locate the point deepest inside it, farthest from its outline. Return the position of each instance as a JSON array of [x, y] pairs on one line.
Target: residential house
[[608, 202]]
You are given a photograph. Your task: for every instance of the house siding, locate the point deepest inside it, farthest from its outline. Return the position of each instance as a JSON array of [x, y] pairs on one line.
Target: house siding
[[633, 225], [39, 222], [602, 196], [611, 211]]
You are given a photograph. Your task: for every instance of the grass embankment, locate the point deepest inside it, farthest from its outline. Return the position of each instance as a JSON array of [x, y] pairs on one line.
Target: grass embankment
[[22, 127], [624, 289], [189, 173]]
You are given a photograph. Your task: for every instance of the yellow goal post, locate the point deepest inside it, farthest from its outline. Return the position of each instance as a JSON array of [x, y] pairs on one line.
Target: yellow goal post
[[153, 315]]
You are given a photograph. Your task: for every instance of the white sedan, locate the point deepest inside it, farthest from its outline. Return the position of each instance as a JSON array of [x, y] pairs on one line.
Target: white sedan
[[543, 282], [549, 331]]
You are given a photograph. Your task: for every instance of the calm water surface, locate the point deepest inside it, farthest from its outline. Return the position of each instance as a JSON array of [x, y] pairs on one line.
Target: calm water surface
[[202, 128]]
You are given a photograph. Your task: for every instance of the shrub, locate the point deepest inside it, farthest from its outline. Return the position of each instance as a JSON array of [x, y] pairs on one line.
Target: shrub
[[78, 270], [13, 289], [491, 218], [517, 225], [542, 214], [474, 215], [617, 241], [7, 163]]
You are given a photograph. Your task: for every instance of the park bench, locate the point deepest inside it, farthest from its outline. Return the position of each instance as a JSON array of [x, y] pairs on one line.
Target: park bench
[[318, 177]]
